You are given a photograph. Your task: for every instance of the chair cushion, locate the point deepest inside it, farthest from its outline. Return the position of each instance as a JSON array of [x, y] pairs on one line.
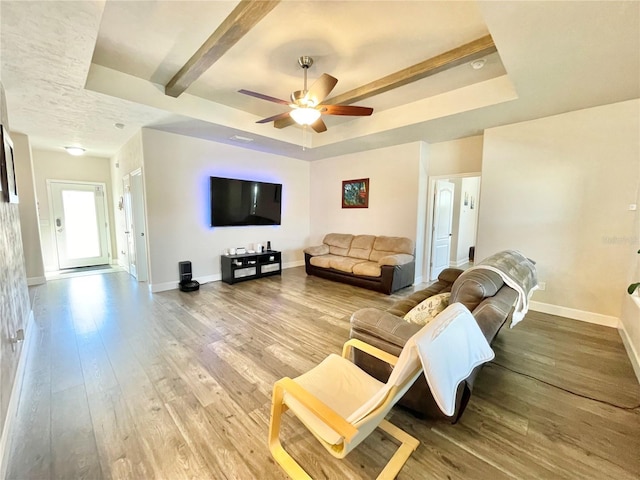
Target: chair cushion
[[473, 286], [427, 310], [340, 385]]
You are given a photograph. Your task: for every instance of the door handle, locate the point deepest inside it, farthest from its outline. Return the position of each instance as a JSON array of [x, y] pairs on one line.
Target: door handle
[[58, 222], [127, 233], [142, 234]]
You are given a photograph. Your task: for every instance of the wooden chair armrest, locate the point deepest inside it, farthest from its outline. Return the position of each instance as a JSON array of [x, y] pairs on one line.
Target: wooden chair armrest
[[318, 408], [370, 349]]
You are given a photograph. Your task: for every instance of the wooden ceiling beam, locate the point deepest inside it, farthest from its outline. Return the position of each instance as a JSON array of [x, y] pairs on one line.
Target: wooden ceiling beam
[[465, 53], [242, 19]]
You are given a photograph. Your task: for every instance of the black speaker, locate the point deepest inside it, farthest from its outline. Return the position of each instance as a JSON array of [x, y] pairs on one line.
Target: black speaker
[[185, 271]]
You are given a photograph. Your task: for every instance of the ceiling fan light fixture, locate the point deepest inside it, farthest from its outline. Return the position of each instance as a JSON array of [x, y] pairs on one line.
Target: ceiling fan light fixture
[[305, 116]]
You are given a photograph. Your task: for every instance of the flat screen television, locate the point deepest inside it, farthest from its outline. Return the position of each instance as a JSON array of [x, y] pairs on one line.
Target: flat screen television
[[244, 202]]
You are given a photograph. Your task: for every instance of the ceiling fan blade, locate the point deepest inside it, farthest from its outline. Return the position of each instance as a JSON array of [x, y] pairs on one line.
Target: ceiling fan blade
[[347, 110], [284, 122], [280, 116], [263, 97], [321, 88], [319, 126]]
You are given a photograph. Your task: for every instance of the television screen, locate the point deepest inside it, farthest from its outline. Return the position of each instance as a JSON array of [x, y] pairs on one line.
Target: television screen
[[244, 202]]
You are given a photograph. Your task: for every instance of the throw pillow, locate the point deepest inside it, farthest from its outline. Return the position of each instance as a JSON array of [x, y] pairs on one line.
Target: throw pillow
[[427, 310]]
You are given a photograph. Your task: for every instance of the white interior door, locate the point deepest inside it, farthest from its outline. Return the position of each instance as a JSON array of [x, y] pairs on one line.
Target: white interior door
[[80, 224], [129, 228], [139, 225], [442, 223]]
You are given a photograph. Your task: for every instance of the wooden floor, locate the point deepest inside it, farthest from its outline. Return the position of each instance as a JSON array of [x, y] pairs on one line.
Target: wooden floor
[[125, 384]]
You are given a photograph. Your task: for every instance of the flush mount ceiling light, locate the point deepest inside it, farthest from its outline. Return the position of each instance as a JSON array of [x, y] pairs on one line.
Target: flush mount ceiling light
[[241, 139], [75, 150], [478, 64]]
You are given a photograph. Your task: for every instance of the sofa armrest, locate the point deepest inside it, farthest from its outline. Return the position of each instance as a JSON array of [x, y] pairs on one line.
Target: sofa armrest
[[317, 250], [382, 329], [397, 259]]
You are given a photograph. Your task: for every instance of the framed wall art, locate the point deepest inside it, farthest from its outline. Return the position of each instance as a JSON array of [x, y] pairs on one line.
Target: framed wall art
[[355, 193], [7, 167]]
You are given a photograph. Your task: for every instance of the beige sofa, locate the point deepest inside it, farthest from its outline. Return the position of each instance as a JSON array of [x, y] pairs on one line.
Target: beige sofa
[[384, 264]]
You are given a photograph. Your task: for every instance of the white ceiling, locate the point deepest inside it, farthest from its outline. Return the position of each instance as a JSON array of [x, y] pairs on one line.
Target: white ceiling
[[71, 70]]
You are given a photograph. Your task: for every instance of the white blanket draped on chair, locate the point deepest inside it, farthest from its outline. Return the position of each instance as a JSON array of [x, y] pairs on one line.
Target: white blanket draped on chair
[[450, 347], [519, 273]]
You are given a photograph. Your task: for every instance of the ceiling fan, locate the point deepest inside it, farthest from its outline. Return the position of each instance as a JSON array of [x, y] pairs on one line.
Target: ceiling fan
[[306, 105]]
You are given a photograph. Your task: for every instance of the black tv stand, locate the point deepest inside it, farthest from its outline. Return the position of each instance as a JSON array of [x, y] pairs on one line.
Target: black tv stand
[[249, 266]]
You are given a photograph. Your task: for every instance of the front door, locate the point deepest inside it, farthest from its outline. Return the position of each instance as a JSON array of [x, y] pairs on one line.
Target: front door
[[442, 224], [80, 222]]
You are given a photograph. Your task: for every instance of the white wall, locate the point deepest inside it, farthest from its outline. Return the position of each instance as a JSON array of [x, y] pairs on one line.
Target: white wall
[[128, 159], [50, 165], [630, 318], [397, 191], [28, 208], [558, 189], [393, 174], [176, 174], [465, 218], [456, 156]]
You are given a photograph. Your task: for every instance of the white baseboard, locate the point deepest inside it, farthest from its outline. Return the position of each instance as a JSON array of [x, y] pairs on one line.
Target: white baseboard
[[162, 287], [297, 263], [458, 263], [31, 281], [16, 391], [590, 317]]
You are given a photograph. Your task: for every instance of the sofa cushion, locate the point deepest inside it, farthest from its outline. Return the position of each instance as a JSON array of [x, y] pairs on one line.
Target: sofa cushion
[[428, 309], [397, 259], [384, 246], [323, 261], [368, 269], [344, 264], [361, 246], [339, 243], [473, 286], [317, 250]]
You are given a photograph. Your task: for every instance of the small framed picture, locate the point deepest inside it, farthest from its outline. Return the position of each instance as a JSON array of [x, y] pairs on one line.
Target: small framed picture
[[7, 167], [355, 193]]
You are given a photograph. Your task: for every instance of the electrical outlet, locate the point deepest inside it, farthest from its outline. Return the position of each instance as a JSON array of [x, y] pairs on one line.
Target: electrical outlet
[[542, 285]]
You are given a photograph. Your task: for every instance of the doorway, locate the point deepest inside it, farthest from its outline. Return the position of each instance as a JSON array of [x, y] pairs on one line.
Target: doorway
[[135, 225], [81, 230], [452, 222]]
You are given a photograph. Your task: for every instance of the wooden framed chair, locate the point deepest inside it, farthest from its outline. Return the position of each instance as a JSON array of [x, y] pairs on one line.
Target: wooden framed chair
[[341, 405]]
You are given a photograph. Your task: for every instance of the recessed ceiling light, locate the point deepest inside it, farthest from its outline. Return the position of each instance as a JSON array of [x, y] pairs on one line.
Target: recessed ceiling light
[[240, 138], [118, 125], [75, 150], [478, 64]]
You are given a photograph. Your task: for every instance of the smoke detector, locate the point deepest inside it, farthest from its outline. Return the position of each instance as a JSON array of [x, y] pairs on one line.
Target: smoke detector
[[478, 64]]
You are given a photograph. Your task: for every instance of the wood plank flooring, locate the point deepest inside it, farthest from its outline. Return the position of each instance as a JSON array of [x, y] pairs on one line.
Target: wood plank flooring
[[124, 384]]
